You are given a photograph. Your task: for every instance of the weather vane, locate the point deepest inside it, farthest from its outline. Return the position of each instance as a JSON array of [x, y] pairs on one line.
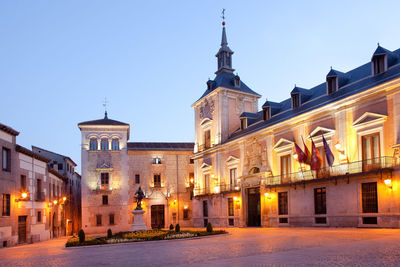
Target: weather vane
[[105, 102], [223, 14]]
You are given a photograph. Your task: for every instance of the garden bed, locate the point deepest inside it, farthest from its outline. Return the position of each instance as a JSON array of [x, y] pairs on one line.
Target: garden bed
[[140, 236]]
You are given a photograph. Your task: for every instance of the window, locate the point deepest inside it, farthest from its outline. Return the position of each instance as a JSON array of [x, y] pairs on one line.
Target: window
[[379, 64], [23, 183], [105, 200], [207, 139], [369, 198], [320, 200], [205, 208], [232, 176], [39, 216], [266, 113], [243, 123], [191, 161], [54, 190], [185, 214], [104, 144], [49, 191], [137, 178], [6, 209], [156, 160], [285, 166], [104, 179], [115, 144], [206, 183], [111, 218], [157, 180], [39, 189], [283, 203], [295, 101], [93, 143], [6, 160], [231, 211], [331, 84], [98, 219]]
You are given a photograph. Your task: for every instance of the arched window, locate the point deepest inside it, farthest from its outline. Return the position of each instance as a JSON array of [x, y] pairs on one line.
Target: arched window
[[93, 143], [104, 144], [115, 144], [254, 170]]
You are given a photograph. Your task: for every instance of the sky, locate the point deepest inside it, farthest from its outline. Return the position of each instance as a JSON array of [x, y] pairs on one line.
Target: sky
[[59, 60]]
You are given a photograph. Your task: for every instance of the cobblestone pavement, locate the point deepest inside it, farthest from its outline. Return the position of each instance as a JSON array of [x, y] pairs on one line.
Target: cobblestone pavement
[[241, 247]]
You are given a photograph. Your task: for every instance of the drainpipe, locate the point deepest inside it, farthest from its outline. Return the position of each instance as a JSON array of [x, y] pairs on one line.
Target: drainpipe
[[177, 187]]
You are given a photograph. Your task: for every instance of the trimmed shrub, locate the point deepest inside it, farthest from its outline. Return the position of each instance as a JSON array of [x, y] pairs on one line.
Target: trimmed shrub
[[109, 233], [177, 228], [81, 235], [171, 227], [209, 228]]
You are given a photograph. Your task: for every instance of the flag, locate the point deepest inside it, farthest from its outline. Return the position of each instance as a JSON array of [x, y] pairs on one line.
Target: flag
[[328, 153], [316, 159], [301, 157], [307, 153]]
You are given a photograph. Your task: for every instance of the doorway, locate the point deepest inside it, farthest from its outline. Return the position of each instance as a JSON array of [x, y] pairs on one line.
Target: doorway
[[22, 229], [253, 207], [157, 216]]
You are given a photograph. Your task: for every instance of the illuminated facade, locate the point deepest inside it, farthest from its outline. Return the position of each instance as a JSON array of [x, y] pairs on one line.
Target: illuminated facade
[[32, 194], [246, 168], [113, 169]]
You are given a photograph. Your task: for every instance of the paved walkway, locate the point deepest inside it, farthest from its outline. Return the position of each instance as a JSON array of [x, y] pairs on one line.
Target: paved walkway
[[242, 247]]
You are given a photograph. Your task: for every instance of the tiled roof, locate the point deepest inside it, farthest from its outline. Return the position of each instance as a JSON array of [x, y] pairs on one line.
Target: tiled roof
[[160, 146], [356, 81], [30, 153], [8, 129], [226, 79], [105, 121]]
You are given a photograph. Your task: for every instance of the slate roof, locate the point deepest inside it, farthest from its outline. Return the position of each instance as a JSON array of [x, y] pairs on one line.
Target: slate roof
[[30, 153], [8, 129], [357, 80], [226, 79], [48, 151], [59, 175], [105, 121], [160, 146]]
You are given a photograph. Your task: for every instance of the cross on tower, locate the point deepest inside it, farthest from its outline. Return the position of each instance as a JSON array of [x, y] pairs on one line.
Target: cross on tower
[[105, 102], [223, 14]]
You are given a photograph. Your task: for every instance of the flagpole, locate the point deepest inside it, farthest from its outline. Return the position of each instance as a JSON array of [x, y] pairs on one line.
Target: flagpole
[[312, 174]]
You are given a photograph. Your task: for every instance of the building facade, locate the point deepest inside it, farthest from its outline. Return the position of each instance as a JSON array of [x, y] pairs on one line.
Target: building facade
[[30, 213], [113, 169], [66, 166], [247, 170]]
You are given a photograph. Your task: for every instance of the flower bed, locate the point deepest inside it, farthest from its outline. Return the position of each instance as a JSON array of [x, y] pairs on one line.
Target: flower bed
[[139, 236]]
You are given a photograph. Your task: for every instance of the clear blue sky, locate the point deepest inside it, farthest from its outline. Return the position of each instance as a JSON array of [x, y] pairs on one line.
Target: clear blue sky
[[151, 59]]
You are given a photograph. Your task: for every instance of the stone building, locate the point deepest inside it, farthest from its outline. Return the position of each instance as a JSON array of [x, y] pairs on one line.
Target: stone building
[[113, 169], [247, 170], [30, 213], [66, 166]]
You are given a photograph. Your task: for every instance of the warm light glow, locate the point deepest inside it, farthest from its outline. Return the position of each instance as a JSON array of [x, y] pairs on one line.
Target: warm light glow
[[388, 181], [24, 195], [174, 201], [235, 198], [64, 198], [191, 180], [185, 207], [295, 156], [338, 146], [236, 187], [55, 202], [212, 175], [216, 189], [266, 194]]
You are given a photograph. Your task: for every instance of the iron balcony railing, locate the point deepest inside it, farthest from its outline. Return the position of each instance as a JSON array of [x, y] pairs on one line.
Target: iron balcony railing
[[355, 167], [222, 188]]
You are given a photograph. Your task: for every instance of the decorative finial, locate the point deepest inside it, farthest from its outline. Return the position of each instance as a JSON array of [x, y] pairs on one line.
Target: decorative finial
[[378, 43], [331, 67], [223, 17], [105, 108]]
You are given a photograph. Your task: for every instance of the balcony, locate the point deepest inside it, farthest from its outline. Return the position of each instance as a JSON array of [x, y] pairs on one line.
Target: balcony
[[103, 188], [217, 189], [40, 196], [226, 188], [336, 171]]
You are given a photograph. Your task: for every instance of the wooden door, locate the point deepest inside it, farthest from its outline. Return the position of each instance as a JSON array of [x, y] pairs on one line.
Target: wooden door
[[22, 229], [253, 207], [157, 217]]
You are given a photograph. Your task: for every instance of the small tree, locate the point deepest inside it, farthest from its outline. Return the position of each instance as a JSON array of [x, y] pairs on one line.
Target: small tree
[[109, 233], [171, 227], [177, 228], [209, 227], [81, 235]]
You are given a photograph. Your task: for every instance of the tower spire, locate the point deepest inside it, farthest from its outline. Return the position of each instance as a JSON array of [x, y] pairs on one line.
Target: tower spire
[[224, 54]]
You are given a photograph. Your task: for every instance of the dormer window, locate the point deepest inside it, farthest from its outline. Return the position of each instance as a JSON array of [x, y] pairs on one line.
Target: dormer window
[[378, 63], [295, 101], [331, 84], [266, 113], [156, 160], [243, 123], [236, 81], [209, 85]]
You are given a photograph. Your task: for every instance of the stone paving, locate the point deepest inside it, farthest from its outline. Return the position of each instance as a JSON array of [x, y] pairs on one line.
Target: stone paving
[[241, 247]]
